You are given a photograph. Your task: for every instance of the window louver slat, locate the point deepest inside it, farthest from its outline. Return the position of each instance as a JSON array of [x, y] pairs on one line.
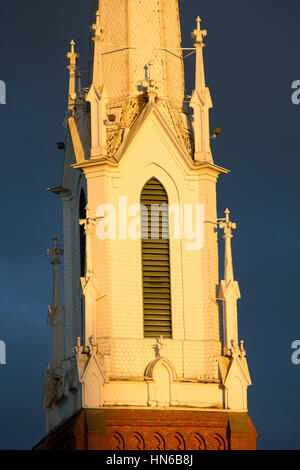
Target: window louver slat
[[156, 261]]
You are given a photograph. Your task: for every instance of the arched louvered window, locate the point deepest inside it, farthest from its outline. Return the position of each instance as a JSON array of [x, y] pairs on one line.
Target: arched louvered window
[[156, 260], [82, 215]]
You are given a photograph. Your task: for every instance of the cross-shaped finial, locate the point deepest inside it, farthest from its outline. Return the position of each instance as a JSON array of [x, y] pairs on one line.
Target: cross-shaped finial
[[150, 86], [72, 55], [243, 351], [97, 27], [234, 350], [79, 348], [227, 225], [199, 34], [55, 252]]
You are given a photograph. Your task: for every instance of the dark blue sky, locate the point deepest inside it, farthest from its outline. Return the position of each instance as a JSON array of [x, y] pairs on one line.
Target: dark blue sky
[[252, 57]]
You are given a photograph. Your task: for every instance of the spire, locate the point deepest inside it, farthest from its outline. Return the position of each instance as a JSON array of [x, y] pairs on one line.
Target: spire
[[199, 35], [201, 100], [229, 292], [98, 39], [228, 226], [97, 96], [72, 57], [134, 33]]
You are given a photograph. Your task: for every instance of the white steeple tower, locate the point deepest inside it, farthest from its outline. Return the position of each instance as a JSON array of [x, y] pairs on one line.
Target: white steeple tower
[[145, 364]]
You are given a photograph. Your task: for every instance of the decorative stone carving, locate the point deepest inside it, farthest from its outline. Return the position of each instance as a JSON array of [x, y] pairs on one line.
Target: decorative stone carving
[[196, 441]]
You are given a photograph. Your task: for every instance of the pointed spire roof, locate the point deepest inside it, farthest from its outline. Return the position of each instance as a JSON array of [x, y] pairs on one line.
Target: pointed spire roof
[[135, 33]]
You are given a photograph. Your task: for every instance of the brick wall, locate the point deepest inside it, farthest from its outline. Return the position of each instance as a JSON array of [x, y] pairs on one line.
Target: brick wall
[[121, 429]]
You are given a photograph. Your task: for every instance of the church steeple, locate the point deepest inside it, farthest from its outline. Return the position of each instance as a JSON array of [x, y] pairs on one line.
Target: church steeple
[[142, 316]]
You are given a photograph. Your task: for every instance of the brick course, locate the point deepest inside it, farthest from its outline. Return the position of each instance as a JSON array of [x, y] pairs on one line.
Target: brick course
[[136, 429]]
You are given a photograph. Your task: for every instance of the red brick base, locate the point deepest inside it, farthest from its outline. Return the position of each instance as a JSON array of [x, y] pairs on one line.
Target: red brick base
[[136, 429]]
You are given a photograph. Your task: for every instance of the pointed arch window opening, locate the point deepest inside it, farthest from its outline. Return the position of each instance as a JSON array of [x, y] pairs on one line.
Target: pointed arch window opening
[[82, 215], [82, 248], [156, 277]]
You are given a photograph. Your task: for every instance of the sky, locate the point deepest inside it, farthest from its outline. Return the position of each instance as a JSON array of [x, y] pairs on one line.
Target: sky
[[251, 59]]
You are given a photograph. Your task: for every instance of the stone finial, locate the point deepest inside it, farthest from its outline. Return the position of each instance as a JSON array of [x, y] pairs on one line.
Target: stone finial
[[93, 346], [79, 349], [149, 85], [242, 350], [227, 225], [97, 27], [199, 34], [72, 57]]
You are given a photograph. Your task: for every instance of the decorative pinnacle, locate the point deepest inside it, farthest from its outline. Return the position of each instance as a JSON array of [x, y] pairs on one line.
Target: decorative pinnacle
[[97, 27], [72, 56], [199, 34]]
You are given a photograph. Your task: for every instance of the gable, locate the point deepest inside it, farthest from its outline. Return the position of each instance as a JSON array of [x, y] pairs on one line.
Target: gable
[[153, 140]]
